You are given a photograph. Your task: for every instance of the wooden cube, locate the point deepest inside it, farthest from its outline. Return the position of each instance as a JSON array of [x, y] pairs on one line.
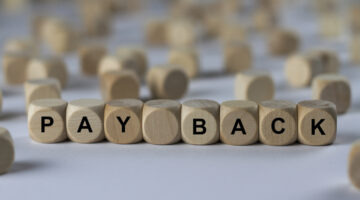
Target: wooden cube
[[255, 86], [41, 89], [277, 122], [200, 122], [354, 164], [46, 120], [161, 122], [14, 67], [300, 70], [334, 88], [120, 85], [138, 56], [187, 59], [47, 67], [112, 63], [328, 59], [167, 82], [90, 56], [58, 35], [155, 32], [355, 19], [283, 42], [317, 122], [84, 120], [26, 46], [354, 49], [182, 33], [7, 152], [239, 122], [237, 57], [122, 121]]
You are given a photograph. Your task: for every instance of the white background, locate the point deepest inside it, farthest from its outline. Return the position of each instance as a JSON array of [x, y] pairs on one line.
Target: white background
[[105, 170]]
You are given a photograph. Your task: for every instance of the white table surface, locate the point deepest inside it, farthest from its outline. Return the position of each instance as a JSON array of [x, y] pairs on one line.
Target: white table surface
[[181, 171]]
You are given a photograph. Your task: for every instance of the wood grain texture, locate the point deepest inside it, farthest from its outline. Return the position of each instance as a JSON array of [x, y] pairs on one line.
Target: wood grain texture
[[187, 59], [239, 122], [41, 89], [277, 123], [255, 86], [14, 65], [48, 67], [161, 122], [84, 120], [237, 57], [334, 88], [354, 164], [200, 122], [317, 112], [123, 121], [90, 56], [167, 82], [155, 32], [139, 57], [46, 120], [283, 42], [119, 85], [7, 151]]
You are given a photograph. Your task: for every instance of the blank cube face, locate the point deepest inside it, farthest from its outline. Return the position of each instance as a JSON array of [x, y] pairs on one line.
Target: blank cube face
[[283, 42], [239, 122], [161, 122], [84, 120], [90, 57], [46, 120], [238, 57], [254, 86], [354, 164], [7, 152], [187, 59], [50, 67], [277, 123], [167, 82], [156, 32], [122, 121], [120, 85], [42, 89], [14, 67], [334, 88], [200, 122], [317, 122]]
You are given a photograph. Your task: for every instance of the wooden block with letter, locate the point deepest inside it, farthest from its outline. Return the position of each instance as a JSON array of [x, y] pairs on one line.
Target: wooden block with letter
[[48, 67], [46, 120], [167, 82], [237, 57], [200, 122], [84, 120], [187, 59], [161, 122], [283, 42], [14, 66], [354, 164], [41, 89], [277, 122], [122, 121], [334, 88], [7, 152], [255, 86], [317, 122], [139, 58], [90, 56], [239, 122], [119, 85]]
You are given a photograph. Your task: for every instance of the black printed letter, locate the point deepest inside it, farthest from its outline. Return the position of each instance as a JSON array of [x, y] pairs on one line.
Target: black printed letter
[[317, 126], [236, 128], [123, 123], [43, 124], [273, 125], [84, 124], [196, 126]]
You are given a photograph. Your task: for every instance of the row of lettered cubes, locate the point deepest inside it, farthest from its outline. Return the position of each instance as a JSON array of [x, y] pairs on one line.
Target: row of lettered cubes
[[198, 122]]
